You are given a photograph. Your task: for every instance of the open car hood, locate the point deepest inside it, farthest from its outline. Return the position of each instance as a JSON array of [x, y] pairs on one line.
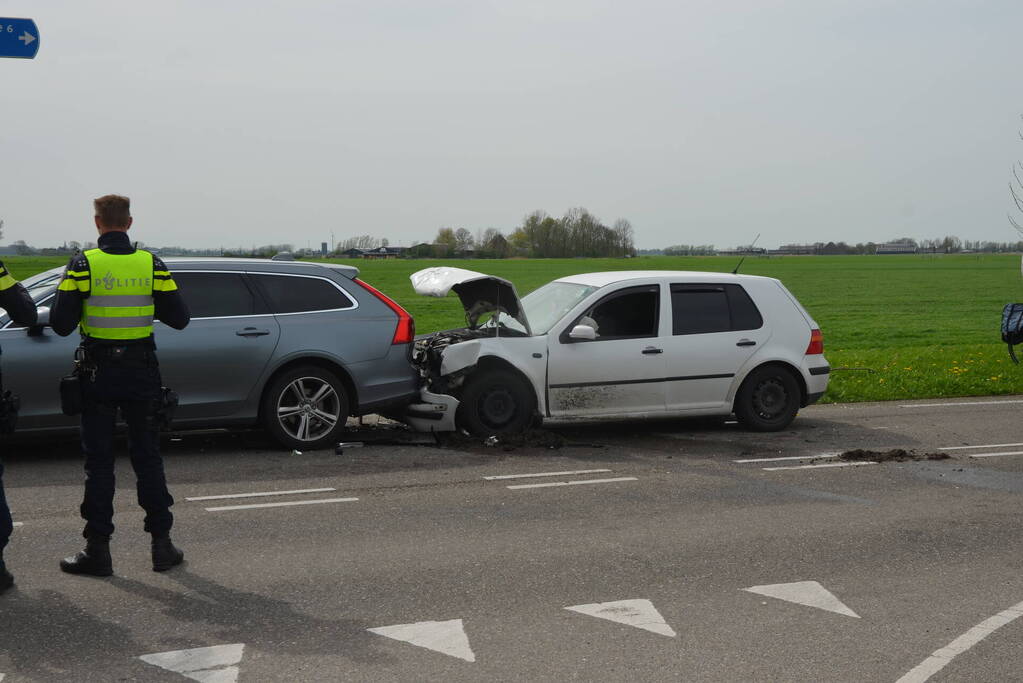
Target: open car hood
[[479, 293]]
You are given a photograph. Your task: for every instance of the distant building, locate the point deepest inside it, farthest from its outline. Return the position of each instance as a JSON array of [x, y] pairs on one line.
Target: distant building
[[374, 253], [896, 248], [794, 249]]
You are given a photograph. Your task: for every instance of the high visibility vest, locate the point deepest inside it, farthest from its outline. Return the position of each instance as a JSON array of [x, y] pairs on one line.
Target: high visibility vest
[[6, 281], [119, 305]]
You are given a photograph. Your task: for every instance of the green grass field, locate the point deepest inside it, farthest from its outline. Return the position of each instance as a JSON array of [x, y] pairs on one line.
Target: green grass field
[[905, 326]]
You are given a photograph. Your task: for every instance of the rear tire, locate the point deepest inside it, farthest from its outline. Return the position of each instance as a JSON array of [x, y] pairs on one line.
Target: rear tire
[[496, 402], [305, 408], [768, 400]]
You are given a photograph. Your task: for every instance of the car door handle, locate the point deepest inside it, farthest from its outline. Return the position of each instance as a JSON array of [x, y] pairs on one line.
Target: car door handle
[[650, 350], [252, 332], [746, 342]]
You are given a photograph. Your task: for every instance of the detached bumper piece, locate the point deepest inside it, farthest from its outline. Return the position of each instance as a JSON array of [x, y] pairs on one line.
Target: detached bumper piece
[[435, 413]]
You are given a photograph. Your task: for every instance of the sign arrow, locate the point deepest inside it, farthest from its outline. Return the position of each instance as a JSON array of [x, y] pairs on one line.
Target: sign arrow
[[19, 38]]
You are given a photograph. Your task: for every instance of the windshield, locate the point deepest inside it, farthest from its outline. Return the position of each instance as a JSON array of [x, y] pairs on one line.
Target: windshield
[[545, 306]]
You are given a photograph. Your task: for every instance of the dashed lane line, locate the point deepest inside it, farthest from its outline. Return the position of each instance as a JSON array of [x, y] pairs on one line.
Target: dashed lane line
[[994, 455], [261, 493], [790, 457], [571, 483], [815, 467], [253, 506], [542, 474], [964, 403], [939, 659], [990, 445]]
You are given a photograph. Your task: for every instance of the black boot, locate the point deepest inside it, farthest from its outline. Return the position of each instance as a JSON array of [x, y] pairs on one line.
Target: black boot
[[6, 579], [165, 554], [94, 560]]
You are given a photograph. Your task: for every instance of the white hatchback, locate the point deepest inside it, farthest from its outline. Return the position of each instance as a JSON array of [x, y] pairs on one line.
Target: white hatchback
[[617, 345]]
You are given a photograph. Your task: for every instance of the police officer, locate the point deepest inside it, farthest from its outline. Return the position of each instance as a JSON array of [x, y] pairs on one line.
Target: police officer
[[113, 293], [14, 298]]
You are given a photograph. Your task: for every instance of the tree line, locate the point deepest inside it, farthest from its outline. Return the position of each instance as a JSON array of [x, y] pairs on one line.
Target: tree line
[[578, 233]]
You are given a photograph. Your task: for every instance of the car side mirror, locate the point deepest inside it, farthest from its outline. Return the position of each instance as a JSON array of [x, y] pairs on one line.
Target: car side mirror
[[42, 320], [583, 332]]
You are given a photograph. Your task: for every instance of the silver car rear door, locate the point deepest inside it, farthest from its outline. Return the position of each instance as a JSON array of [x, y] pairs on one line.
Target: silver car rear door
[[215, 364]]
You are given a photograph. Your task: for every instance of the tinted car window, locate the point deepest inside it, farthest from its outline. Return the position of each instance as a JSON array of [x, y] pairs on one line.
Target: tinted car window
[[702, 309], [217, 295], [296, 294]]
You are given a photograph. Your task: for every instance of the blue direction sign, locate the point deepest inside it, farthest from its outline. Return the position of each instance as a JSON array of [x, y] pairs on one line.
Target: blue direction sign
[[18, 38]]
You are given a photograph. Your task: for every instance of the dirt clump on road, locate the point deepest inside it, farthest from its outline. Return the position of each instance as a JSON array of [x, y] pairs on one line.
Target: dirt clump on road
[[893, 455]]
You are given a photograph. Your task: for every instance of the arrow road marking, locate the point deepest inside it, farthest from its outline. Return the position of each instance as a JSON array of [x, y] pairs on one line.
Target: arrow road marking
[[639, 613], [809, 593], [26, 37], [446, 637], [215, 664]]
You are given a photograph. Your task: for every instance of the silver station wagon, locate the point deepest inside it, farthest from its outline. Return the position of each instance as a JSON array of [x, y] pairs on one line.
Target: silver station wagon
[[296, 347]]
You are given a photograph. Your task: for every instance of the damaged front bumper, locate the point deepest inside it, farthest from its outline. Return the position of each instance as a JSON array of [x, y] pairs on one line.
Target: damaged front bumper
[[433, 413]]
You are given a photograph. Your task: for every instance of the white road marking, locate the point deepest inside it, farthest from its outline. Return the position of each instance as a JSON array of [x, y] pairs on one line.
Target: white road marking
[[282, 505], [446, 637], [542, 474], [993, 455], [965, 403], [790, 457], [262, 493], [940, 658], [639, 613], [809, 593], [217, 664], [571, 483], [827, 464], [17, 524], [990, 445]]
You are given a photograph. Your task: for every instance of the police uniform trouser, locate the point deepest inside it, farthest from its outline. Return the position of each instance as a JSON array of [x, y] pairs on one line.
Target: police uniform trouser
[[131, 383], [6, 525]]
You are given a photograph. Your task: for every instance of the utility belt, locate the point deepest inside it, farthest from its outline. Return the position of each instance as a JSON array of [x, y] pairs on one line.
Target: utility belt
[[86, 360]]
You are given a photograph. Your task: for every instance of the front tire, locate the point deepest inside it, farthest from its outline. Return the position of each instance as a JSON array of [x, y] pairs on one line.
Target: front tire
[[496, 402], [306, 408], [768, 400]]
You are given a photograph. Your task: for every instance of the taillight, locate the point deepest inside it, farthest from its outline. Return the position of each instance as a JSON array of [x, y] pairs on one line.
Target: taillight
[[405, 332], [816, 346]]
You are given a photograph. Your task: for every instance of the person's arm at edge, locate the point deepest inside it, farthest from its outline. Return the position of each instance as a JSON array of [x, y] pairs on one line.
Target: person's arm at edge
[[66, 312], [15, 299], [168, 304]]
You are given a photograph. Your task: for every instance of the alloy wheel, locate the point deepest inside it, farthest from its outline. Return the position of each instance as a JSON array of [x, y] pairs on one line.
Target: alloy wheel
[[308, 408]]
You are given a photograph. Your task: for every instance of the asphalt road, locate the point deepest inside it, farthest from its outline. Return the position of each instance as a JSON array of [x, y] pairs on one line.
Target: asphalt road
[[678, 562]]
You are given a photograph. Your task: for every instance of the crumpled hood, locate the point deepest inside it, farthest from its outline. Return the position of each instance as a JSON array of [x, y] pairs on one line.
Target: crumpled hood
[[479, 293]]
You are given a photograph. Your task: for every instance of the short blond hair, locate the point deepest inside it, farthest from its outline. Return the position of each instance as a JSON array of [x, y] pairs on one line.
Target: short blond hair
[[113, 210]]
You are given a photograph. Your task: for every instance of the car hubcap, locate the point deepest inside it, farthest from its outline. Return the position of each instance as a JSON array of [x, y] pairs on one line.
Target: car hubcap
[[497, 407], [770, 399], [308, 409]]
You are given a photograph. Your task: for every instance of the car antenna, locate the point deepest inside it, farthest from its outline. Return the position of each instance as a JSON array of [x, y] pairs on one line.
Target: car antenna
[[736, 271]]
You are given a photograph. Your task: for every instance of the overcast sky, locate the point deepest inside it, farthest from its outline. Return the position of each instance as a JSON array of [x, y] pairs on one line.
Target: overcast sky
[[706, 121]]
